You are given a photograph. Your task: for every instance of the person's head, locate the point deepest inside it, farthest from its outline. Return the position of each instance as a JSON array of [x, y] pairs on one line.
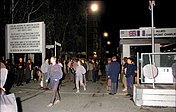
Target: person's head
[[82, 61], [53, 59], [97, 62], [130, 60], [114, 58], [93, 61], [20, 59], [125, 59], [46, 60], [109, 60], [59, 60], [29, 61], [79, 63]]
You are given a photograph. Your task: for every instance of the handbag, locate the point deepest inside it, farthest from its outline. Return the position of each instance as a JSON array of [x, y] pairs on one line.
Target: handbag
[[8, 103]]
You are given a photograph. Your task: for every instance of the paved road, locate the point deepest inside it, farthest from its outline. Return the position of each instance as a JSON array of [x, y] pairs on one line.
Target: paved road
[[94, 99]]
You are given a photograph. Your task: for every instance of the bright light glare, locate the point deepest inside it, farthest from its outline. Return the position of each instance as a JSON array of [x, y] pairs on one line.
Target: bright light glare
[[105, 34], [94, 7], [108, 42], [95, 52]]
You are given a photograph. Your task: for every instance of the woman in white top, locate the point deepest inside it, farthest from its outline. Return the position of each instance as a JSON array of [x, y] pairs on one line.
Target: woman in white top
[[80, 70]]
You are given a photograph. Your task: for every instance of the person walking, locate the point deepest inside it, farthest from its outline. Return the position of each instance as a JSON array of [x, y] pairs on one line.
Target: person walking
[[44, 69], [107, 70], [10, 76], [80, 70], [113, 74], [70, 69], [130, 74], [84, 75], [90, 71], [95, 70], [20, 72], [55, 74], [28, 70], [124, 67]]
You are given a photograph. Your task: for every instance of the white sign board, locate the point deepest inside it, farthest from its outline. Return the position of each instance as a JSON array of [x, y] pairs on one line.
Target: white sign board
[[146, 33], [49, 46], [25, 37]]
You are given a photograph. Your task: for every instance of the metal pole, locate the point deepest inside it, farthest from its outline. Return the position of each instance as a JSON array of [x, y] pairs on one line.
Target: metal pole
[[152, 3], [152, 31], [151, 70], [138, 61], [86, 34], [55, 48]]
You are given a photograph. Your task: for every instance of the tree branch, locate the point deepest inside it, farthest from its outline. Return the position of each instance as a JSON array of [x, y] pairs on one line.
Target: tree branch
[[64, 31], [37, 8], [16, 4]]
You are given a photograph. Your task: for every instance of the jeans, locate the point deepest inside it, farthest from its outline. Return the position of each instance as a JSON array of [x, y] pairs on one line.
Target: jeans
[[114, 87], [55, 91], [94, 76], [20, 77], [84, 79], [90, 75], [130, 85], [71, 76], [79, 78], [45, 77]]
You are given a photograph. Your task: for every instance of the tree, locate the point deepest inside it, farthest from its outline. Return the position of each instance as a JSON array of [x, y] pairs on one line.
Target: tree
[[70, 25], [64, 19]]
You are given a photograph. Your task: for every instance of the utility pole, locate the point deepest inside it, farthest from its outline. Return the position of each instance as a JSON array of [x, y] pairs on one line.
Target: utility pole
[[86, 33], [151, 6]]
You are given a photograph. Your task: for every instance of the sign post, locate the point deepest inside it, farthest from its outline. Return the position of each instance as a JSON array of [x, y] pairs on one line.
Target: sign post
[[56, 44]]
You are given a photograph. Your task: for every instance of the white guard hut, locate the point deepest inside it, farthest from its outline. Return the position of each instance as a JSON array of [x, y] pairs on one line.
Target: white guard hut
[[156, 76]]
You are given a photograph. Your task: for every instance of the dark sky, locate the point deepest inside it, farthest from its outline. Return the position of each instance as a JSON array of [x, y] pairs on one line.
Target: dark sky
[[132, 14]]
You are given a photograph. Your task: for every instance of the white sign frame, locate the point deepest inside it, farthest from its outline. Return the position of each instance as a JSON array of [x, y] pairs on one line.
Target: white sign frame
[[25, 38]]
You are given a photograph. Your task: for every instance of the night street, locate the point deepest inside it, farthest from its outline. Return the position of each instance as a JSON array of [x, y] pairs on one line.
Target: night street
[[94, 99], [112, 56]]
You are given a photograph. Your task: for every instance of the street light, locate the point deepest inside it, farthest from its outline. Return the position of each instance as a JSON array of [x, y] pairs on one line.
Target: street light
[[108, 42], [105, 34], [94, 8]]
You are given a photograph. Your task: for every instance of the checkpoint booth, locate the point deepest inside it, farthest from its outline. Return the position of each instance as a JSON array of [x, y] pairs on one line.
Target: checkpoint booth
[[141, 38], [156, 71]]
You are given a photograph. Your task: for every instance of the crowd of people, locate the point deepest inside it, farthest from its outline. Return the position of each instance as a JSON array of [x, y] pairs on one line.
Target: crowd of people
[[19, 73], [80, 71]]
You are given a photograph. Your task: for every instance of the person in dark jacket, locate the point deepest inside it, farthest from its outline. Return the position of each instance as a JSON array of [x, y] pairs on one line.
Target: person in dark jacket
[[55, 74], [130, 74], [113, 74], [20, 72], [10, 76], [28, 70]]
